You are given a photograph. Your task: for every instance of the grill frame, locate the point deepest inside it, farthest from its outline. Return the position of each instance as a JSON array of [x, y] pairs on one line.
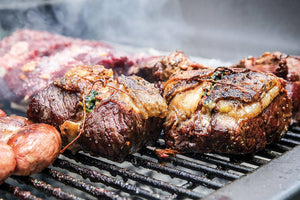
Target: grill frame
[[279, 179]]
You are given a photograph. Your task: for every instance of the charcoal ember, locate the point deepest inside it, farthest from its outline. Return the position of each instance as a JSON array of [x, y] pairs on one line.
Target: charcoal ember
[[225, 110], [115, 116]]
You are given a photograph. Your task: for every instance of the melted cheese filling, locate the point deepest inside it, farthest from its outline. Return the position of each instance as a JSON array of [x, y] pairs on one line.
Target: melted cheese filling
[[184, 104], [238, 109]]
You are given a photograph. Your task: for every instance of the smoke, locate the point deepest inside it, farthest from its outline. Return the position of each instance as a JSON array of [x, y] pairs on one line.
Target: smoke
[[145, 23], [213, 29], [142, 23], [149, 23]]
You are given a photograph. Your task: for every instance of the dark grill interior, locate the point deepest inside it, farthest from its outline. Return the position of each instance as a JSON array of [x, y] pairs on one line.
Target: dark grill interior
[[143, 175]]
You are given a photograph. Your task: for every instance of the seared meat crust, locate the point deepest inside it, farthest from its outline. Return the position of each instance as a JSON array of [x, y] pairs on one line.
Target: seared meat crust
[[26, 148], [158, 70], [36, 146], [2, 113], [283, 66], [120, 131], [225, 110], [53, 106], [7, 161], [125, 113], [10, 125]]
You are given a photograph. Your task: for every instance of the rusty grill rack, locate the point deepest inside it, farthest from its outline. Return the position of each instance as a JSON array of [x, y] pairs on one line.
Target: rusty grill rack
[[143, 175]]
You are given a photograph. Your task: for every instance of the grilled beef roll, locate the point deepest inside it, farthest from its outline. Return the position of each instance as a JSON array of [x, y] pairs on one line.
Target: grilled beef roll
[[114, 117], [158, 70], [225, 110], [283, 66]]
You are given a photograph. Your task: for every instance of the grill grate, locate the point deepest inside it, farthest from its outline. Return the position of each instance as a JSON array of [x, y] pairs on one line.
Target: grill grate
[[143, 175]]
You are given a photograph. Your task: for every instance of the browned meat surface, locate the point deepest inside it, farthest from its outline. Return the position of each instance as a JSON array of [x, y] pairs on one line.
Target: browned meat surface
[[2, 113], [7, 161], [36, 147], [10, 125], [26, 148], [283, 66], [115, 117], [30, 60], [158, 70], [225, 110]]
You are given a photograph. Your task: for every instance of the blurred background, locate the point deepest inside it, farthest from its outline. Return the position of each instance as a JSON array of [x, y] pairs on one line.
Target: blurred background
[[226, 30]]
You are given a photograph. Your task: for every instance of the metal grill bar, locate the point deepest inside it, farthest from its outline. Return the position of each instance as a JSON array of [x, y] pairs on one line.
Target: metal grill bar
[[241, 164], [196, 166], [267, 153], [41, 185], [248, 159], [186, 185], [275, 149], [290, 141], [18, 192], [113, 169], [295, 128], [173, 172], [223, 163], [95, 191], [99, 177], [278, 179], [279, 147], [294, 135]]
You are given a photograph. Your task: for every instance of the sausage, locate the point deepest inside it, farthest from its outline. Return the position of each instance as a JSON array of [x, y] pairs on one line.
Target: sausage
[[35, 146], [26, 148], [10, 125], [2, 113], [7, 161]]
